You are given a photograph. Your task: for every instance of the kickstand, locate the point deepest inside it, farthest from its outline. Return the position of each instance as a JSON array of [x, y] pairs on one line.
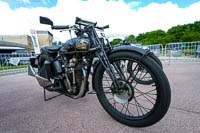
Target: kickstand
[[47, 99]]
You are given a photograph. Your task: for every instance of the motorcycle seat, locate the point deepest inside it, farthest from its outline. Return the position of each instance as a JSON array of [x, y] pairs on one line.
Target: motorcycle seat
[[51, 49]]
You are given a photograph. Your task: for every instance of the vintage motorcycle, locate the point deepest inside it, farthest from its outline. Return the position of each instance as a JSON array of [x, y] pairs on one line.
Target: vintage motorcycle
[[129, 81]]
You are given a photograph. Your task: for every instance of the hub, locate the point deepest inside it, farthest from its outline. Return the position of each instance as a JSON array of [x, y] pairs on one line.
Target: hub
[[124, 93]]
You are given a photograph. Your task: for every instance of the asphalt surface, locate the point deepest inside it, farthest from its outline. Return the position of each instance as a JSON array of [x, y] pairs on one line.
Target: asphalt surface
[[13, 71], [23, 110]]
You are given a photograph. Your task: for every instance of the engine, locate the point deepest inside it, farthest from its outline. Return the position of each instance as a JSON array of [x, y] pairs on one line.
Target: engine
[[74, 74]]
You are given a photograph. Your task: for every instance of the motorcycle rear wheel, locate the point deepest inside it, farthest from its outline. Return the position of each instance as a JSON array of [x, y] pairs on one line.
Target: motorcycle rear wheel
[[136, 104]]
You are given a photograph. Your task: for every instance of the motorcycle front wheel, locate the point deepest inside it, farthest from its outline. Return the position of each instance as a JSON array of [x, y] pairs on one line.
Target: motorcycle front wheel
[[132, 103]]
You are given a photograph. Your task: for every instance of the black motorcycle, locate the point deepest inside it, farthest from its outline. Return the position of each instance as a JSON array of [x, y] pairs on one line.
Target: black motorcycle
[[129, 81]]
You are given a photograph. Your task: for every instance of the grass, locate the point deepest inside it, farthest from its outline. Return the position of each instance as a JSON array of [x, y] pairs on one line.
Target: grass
[[12, 67]]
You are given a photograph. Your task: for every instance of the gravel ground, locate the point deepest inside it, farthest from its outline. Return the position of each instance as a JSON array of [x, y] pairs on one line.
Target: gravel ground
[[23, 110]]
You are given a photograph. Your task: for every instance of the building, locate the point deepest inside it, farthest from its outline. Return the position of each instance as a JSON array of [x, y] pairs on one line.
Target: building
[[23, 43], [45, 38], [10, 47]]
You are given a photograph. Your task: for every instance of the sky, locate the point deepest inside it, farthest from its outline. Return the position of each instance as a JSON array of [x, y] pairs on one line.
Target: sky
[[125, 17]]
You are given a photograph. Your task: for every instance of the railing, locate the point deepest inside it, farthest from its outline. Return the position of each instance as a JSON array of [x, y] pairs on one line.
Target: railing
[[157, 49], [185, 51], [14, 61]]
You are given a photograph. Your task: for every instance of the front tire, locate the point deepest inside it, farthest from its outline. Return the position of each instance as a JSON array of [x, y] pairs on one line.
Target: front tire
[[134, 106]]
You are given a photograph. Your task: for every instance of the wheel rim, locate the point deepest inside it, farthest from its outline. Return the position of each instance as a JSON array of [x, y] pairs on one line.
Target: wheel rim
[[143, 98]]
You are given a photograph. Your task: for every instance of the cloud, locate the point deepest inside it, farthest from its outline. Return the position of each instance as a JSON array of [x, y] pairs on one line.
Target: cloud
[[45, 1], [25, 1], [123, 20], [134, 3]]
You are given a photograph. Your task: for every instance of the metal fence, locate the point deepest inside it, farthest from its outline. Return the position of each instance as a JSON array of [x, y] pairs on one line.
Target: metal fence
[[157, 49], [11, 62], [185, 51]]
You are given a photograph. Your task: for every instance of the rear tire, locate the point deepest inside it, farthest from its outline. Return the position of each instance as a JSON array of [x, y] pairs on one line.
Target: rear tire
[[162, 100]]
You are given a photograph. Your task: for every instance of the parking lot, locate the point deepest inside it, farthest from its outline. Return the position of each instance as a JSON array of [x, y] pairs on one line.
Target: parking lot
[[23, 110]]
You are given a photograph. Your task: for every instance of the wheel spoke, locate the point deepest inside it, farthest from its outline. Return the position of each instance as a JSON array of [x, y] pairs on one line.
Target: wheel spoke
[[146, 93], [122, 107], [137, 108], [138, 105], [145, 96], [141, 105], [145, 108], [132, 72], [141, 101], [127, 110]]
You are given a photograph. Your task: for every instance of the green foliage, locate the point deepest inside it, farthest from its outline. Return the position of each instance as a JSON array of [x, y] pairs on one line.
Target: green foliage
[[12, 67], [131, 39], [180, 33], [116, 41], [59, 43], [153, 37]]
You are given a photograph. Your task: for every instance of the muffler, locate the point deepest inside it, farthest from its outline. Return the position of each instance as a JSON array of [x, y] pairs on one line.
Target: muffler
[[42, 81]]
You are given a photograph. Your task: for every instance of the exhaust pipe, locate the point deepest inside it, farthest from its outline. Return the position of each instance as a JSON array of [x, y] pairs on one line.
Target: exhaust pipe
[[83, 86], [42, 81]]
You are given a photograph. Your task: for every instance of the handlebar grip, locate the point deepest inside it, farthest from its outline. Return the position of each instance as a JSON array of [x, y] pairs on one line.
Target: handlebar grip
[[60, 27], [102, 28], [106, 27]]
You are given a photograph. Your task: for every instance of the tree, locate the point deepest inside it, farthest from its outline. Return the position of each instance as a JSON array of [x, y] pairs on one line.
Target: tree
[[140, 37], [131, 39], [59, 43], [179, 33], [116, 41]]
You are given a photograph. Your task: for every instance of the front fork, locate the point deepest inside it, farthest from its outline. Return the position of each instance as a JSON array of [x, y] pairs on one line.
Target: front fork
[[109, 69]]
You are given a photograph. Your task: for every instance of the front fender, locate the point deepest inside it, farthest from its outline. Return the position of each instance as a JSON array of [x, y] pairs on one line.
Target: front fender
[[129, 48], [137, 50]]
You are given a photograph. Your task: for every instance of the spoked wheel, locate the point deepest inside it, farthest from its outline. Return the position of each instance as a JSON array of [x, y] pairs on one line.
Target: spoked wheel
[[143, 77], [133, 103]]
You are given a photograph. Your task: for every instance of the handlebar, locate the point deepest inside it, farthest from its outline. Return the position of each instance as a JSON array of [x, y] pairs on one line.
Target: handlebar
[[60, 27], [80, 22], [83, 22], [102, 28]]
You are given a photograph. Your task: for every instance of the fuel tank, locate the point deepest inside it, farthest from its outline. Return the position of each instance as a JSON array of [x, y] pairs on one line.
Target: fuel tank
[[80, 44]]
